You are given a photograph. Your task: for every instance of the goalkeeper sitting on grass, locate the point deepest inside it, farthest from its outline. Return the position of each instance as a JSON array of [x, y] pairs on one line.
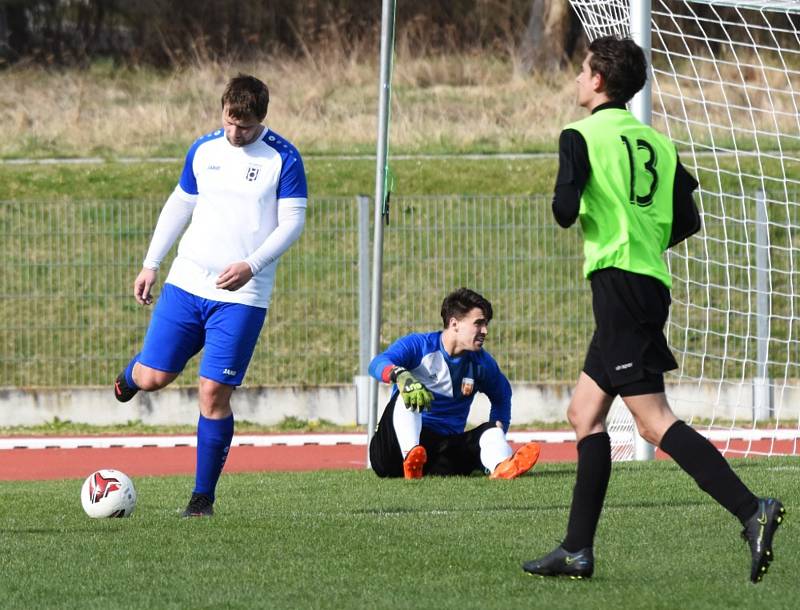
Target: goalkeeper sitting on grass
[[436, 376]]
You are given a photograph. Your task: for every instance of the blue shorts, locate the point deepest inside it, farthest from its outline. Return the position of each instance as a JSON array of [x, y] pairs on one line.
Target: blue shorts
[[183, 324]]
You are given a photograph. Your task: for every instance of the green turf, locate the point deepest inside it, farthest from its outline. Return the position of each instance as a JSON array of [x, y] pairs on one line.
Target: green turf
[[349, 540]]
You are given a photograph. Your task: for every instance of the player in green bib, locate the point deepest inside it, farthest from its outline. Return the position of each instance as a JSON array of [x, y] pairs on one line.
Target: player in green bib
[[630, 228], [622, 179]]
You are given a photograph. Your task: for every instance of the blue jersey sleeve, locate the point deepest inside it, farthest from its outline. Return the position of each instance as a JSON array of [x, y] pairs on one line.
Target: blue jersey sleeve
[[292, 182], [405, 352], [188, 181], [495, 385]]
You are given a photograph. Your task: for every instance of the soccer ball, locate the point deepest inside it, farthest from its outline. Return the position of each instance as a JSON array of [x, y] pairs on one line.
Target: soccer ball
[[108, 493]]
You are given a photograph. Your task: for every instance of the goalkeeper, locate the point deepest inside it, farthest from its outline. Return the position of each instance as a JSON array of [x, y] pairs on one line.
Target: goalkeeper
[[436, 376]]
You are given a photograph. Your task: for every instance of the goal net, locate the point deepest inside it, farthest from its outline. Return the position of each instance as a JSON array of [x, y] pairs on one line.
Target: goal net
[[726, 89]]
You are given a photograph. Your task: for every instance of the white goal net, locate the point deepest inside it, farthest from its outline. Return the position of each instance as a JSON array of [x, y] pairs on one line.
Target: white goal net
[[726, 88]]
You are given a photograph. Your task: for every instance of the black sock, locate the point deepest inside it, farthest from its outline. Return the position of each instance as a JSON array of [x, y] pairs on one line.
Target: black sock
[[591, 482], [712, 473]]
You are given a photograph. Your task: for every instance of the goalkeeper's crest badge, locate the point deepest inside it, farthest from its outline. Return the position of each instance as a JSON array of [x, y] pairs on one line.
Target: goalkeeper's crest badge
[[467, 386], [252, 173]]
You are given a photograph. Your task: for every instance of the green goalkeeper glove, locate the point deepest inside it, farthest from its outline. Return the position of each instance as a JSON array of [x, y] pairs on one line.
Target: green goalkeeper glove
[[414, 394]]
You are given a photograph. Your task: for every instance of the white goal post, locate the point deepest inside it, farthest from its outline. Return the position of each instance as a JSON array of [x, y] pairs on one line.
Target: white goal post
[[725, 87]]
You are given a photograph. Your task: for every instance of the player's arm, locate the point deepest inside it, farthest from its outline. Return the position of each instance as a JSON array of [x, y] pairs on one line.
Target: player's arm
[[497, 388], [173, 219], [291, 221], [685, 216], [404, 353], [390, 367], [573, 173]]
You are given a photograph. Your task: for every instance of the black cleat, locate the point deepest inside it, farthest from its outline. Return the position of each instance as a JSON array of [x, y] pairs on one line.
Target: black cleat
[[758, 531], [122, 391], [199, 506], [562, 563]]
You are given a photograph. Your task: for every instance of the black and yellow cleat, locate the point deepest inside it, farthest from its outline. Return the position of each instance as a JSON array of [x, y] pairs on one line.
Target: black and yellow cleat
[[578, 565], [758, 531]]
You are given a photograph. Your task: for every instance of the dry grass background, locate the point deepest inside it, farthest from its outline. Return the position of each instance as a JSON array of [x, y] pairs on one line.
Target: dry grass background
[[447, 103], [326, 102]]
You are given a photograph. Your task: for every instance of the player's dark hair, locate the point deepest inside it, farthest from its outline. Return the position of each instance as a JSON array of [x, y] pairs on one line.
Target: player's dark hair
[[460, 302], [622, 64], [246, 96]]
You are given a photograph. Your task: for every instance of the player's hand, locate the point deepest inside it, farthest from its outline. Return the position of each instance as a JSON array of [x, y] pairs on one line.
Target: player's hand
[[234, 276], [143, 285], [413, 392]]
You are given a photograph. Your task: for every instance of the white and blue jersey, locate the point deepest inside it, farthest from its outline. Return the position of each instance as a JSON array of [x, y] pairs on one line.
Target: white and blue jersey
[[452, 380], [237, 192]]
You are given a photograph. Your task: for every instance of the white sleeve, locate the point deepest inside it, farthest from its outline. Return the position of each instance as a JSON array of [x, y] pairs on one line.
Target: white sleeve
[[291, 220], [175, 214]]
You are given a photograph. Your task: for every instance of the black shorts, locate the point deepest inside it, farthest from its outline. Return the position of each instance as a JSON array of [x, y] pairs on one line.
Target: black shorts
[[457, 454], [628, 353]]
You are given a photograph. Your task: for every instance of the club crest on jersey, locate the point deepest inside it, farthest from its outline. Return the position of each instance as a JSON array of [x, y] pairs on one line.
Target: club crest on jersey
[[467, 386], [252, 173]]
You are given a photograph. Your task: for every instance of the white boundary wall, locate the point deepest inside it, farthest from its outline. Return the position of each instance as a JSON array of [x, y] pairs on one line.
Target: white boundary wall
[[336, 404]]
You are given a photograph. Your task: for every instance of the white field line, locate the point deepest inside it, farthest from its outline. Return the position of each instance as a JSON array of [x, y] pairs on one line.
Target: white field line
[[252, 440], [328, 440]]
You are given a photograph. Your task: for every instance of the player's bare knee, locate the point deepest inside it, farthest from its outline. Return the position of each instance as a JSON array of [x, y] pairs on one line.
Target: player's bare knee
[[215, 399], [584, 423], [655, 429], [648, 433], [574, 416], [215, 407], [151, 380]]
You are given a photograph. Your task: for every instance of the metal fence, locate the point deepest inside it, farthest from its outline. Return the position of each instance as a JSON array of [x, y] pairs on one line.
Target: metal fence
[[67, 315]]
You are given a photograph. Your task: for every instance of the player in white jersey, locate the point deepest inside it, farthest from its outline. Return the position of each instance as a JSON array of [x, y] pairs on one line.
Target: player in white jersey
[[243, 192], [436, 376]]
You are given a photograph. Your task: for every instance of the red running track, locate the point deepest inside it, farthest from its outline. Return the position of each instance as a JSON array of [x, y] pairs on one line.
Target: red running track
[[43, 464]]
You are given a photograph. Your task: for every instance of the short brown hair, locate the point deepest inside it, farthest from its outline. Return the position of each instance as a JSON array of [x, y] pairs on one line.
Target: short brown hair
[[460, 302], [246, 96], [623, 65]]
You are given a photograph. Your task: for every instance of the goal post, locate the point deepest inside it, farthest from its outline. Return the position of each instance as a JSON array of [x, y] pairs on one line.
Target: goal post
[[725, 87]]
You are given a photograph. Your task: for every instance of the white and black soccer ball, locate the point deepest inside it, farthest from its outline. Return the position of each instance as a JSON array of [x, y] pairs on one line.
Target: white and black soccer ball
[[108, 493]]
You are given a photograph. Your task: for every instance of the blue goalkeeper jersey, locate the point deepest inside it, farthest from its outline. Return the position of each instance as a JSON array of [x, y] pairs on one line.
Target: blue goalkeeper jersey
[[452, 380]]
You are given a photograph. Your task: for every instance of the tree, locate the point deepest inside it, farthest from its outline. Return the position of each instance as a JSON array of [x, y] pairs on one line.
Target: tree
[[14, 30], [552, 36]]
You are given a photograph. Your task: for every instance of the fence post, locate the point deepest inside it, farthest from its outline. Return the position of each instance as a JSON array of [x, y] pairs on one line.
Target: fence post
[[361, 380]]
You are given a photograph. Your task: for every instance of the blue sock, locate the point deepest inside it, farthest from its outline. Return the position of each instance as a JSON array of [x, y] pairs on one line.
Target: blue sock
[[213, 442], [129, 372]]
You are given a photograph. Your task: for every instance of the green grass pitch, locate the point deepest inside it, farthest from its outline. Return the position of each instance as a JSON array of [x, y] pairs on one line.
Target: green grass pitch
[[345, 539]]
